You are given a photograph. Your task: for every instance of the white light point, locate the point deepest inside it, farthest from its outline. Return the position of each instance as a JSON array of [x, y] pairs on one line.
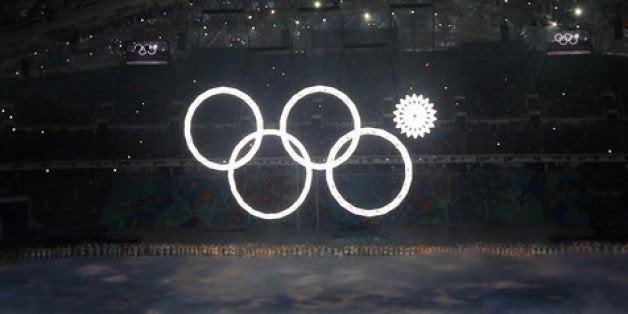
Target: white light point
[[415, 115]]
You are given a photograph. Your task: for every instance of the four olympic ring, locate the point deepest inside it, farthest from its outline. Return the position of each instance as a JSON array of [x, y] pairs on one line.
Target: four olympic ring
[[566, 38], [143, 49], [303, 159]]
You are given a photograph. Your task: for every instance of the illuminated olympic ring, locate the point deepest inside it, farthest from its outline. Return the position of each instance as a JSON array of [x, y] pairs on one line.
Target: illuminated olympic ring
[[259, 121], [405, 187], [303, 159], [306, 186], [566, 38], [283, 125]]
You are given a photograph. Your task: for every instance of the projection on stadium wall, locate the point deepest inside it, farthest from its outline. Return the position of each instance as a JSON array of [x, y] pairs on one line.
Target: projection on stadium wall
[[424, 120], [147, 53], [568, 42], [415, 115]]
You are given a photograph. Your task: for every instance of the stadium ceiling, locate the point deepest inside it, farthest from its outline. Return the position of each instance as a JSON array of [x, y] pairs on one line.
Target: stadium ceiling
[[33, 34]]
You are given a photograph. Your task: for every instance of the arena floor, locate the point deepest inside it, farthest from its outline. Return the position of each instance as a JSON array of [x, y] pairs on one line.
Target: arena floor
[[438, 283]]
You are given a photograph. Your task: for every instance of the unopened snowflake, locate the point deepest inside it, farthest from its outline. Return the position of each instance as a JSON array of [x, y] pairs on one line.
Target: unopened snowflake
[[415, 115]]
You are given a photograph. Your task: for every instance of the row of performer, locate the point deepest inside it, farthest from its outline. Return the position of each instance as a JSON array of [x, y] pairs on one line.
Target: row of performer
[[261, 251]]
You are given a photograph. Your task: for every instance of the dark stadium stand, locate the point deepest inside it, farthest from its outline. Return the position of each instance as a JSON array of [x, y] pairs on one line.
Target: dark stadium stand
[[122, 115]]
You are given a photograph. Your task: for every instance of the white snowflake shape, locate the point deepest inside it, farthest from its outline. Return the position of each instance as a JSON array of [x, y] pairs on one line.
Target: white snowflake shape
[[415, 115]]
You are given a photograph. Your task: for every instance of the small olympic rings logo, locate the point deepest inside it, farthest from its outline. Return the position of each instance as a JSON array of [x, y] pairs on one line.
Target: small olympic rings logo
[[143, 49], [566, 38], [302, 158]]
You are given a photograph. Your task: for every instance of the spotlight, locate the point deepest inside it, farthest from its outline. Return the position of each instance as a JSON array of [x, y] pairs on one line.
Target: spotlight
[[578, 11], [367, 16], [317, 4]]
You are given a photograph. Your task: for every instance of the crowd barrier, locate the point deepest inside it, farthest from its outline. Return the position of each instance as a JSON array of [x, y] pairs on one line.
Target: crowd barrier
[[108, 250]]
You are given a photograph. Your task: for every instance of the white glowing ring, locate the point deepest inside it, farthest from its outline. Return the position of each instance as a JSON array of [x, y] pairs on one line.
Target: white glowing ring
[[405, 187], [574, 40], [140, 49], [306, 186], [152, 49], [283, 126], [233, 164]]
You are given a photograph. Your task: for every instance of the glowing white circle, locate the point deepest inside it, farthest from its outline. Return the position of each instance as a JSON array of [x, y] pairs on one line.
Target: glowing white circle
[[405, 187], [140, 49], [306, 186], [187, 132], [283, 126]]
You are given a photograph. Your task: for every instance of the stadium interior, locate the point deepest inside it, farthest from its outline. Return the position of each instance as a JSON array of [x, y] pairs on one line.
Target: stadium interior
[[530, 145]]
